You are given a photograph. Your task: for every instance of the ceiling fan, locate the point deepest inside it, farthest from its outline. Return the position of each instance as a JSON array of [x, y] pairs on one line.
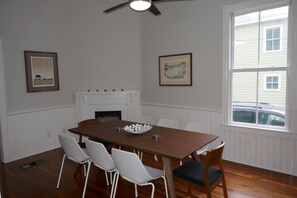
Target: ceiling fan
[[139, 5]]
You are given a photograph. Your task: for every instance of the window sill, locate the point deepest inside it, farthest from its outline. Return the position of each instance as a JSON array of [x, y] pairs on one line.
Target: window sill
[[266, 131]]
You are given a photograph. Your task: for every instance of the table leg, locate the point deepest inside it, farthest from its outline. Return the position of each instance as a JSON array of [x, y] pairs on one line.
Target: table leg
[[195, 156], [169, 177], [80, 139]]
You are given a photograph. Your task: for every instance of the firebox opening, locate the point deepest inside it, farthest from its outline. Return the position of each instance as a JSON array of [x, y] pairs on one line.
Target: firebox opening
[[108, 115]]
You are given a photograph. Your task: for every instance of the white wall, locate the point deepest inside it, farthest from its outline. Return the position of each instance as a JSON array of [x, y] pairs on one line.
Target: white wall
[[197, 27], [3, 110], [95, 50], [185, 26]]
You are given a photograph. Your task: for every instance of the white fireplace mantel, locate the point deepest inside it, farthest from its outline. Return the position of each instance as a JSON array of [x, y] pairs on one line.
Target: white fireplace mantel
[[87, 103]]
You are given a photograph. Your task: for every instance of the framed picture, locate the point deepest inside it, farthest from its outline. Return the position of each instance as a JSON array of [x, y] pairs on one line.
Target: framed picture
[[175, 70], [41, 71]]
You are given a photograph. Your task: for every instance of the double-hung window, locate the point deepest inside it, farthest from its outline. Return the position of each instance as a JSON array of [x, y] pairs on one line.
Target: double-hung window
[[256, 81]]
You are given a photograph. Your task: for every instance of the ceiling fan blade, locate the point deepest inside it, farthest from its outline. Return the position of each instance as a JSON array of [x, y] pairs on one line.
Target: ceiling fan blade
[[114, 8], [153, 9]]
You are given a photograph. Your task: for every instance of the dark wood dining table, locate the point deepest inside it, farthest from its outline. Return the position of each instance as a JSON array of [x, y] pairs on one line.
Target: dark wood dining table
[[172, 144]]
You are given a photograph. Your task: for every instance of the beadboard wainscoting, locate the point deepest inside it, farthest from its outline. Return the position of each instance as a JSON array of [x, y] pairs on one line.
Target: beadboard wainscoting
[[35, 131], [271, 150]]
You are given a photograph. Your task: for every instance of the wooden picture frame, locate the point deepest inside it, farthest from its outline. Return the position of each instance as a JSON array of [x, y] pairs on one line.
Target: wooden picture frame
[[175, 70], [41, 71]]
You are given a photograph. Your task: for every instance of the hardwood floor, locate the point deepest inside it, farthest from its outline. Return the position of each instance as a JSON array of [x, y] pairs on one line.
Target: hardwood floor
[[41, 180]]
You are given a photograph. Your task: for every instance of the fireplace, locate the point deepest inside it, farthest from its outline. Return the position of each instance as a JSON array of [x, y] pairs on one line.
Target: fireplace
[[124, 105], [108, 115]]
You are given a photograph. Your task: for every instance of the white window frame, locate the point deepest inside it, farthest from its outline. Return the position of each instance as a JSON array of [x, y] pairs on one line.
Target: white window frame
[[280, 38], [278, 82], [291, 88]]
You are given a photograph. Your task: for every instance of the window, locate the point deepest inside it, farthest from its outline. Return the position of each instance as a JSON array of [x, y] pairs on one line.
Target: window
[[272, 83], [257, 83], [272, 39]]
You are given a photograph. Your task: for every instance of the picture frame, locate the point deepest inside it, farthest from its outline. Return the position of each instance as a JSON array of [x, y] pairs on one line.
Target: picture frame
[[175, 70], [41, 71]]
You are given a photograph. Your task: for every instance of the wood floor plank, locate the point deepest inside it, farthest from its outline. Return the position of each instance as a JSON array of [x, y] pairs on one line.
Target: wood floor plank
[[41, 180]]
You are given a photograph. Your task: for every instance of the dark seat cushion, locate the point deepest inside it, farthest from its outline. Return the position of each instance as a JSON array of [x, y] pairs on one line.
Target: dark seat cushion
[[193, 171]]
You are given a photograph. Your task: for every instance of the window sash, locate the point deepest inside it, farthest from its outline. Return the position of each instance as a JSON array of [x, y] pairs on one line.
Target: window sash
[[257, 69]]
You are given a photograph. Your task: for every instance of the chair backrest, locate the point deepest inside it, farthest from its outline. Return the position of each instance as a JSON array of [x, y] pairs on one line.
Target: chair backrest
[[214, 156], [72, 149], [144, 119], [129, 166], [197, 127], [99, 155], [170, 123], [88, 122]]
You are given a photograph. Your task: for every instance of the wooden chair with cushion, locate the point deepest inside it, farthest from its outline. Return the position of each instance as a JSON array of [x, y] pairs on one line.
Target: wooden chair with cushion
[[206, 175]]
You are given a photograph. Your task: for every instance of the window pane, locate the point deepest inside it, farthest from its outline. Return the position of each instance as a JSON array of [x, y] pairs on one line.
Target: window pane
[[276, 44], [244, 87], [268, 45], [275, 86], [269, 34], [244, 96], [246, 31], [276, 33], [275, 79], [276, 98], [276, 20]]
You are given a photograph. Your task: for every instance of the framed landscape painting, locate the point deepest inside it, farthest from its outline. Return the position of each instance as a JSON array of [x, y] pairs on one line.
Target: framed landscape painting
[[41, 71], [175, 70]]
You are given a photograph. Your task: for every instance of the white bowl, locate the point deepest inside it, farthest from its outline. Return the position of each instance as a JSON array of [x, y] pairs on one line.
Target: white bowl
[[137, 128]]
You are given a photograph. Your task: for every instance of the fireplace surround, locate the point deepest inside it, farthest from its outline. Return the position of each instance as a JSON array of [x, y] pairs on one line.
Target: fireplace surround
[[125, 102]]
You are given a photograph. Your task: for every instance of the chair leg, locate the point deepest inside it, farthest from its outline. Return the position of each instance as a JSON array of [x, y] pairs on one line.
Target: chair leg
[[136, 191], [86, 179], [61, 169], [106, 178], [110, 177], [181, 162], [140, 155], [114, 185], [165, 184], [153, 190], [224, 187]]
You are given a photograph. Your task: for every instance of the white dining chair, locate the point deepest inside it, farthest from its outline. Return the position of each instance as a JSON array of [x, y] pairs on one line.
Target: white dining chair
[[169, 123], [131, 168], [76, 154], [101, 158], [201, 128]]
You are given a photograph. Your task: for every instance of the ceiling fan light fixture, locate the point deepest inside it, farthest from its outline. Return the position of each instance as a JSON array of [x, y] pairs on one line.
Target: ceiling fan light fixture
[[140, 5]]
